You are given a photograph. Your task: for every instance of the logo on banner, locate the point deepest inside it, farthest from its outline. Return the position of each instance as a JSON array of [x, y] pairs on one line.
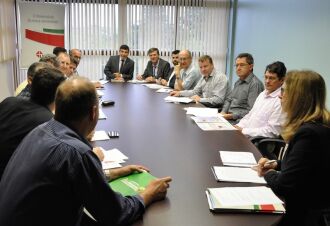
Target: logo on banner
[[39, 54]]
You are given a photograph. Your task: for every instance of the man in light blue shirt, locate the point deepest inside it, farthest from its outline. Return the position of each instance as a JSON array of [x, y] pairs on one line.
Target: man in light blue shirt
[[188, 76], [212, 89]]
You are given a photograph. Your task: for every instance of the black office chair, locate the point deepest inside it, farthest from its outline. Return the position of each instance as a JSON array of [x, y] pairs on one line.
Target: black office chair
[[271, 148]]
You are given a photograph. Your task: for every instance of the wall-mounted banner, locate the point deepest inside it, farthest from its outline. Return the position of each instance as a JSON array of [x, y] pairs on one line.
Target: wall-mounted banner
[[42, 29]]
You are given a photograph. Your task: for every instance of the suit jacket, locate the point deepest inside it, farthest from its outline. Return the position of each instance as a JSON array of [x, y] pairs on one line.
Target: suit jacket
[[112, 66], [162, 71], [172, 80]]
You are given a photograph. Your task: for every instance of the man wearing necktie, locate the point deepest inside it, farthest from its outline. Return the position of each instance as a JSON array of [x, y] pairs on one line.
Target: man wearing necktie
[[120, 67], [156, 69]]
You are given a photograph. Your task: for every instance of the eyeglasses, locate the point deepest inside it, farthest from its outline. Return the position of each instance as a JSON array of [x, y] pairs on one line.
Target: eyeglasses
[[240, 65]]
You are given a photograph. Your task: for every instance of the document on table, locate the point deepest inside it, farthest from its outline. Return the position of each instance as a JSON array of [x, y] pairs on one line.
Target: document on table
[[243, 196], [135, 81], [100, 135], [237, 158], [178, 99], [103, 81], [101, 114], [164, 90], [99, 93], [237, 174], [117, 80], [203, 112], [154, 86], [113, 158], [212, 126]]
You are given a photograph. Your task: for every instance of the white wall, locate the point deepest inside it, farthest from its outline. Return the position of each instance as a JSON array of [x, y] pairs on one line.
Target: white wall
[[6, 80], [296, 32]]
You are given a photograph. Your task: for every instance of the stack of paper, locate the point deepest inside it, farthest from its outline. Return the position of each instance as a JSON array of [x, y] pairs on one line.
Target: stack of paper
[[113, 158], [244, 199], [164, 90], [100, 135], [212, 123], [237, 158], [154, 86], [237, 174], [135, 81], [172, 99]]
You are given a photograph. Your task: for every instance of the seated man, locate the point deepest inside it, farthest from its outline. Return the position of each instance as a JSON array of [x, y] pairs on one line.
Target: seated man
[[53, 173], [212, 89], [18, 116], [57, 50], [64, 62], [246, 90], [120, 67], [170, 80], [157, 68], [32, 70], [50, 59], [187, 76], [265, 118]]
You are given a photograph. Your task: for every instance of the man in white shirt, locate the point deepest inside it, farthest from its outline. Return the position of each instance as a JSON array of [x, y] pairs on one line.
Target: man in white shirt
[[266, 118]]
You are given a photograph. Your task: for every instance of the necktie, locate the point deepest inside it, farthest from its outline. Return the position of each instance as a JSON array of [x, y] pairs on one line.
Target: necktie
[[121, 65], [154, 70]]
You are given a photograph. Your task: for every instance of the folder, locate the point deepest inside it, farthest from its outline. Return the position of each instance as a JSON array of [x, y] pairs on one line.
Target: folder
[[273, 207], [131, 184]]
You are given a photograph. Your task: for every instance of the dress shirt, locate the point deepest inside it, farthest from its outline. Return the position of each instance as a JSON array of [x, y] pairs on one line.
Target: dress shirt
[[212, 90], [265, 118], [17, 118], [243, 96], [190, 77], [52, 175]]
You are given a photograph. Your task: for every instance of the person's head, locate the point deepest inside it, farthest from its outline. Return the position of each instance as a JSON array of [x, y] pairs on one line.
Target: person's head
[[76, 104], [153, 54], [64, 61], [44, 85], [50, 59], [57, 50], [175, 57], [244, 65], [274, 76], [34, 68], [123, 51], [303, 100], [73, 65], [75, 53], [185, 59], [205, 65]]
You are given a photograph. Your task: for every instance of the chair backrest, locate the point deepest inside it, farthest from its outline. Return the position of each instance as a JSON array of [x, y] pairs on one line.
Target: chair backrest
[[271, 148]]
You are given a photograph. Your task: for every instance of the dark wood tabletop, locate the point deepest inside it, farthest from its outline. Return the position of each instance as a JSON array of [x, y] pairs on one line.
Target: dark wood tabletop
[[162, 137]]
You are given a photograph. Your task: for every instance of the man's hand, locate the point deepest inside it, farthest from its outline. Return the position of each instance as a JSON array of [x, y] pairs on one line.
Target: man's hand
[[175, 93], [226, 116], [117, 75], [163, 82], [177, 69], [139, 77], [98, 151], [150, 79], [126, 170], [238, 128], [156, 190], [196, 98]]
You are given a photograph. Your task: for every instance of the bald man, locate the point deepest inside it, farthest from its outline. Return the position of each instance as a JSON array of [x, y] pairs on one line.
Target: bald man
[[58, 173], [187, 76]]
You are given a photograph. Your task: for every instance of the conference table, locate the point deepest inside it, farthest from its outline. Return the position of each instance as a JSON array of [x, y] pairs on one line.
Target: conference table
[[160, 136]]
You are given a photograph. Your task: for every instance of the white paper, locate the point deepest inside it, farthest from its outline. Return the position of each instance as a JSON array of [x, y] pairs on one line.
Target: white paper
[[178, 99], [101, 114], [154, 86], [215, 126], [136, 81], [237, 158], [99, 93], [100, 135], [204, 112], [110, 165], [102, 81], [206, 119], [164, 90], [237, 174], [114, 155], [243, 196]]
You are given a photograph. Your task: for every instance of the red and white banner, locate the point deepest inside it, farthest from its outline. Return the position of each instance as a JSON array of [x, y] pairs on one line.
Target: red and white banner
[[42, 29]]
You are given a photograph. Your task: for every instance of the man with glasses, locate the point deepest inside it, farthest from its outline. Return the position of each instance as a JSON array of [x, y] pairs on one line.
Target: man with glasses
[[265, 118], [245, 92], [187, 76]]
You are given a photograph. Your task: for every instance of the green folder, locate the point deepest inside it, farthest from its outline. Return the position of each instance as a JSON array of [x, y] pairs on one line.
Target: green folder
[[131, 184]]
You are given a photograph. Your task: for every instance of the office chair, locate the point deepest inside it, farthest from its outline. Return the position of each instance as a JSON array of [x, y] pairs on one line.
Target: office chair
[[271, 148]]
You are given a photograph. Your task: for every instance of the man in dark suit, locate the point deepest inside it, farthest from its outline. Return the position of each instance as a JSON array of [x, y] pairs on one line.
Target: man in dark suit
[[170, 80], [157, 68], [120, 67]]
